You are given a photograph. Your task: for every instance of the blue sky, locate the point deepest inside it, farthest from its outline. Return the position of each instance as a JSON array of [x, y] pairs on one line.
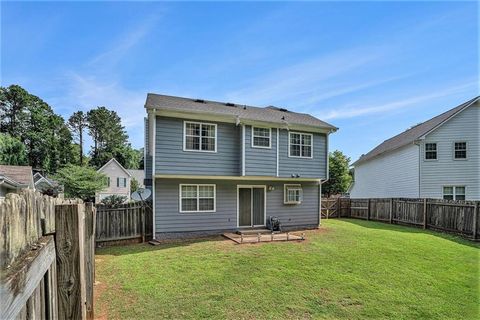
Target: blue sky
[[373, 69]]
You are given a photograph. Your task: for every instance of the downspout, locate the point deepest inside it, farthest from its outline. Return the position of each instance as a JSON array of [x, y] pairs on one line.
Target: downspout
[[153, 130], [243, 150], [322, 182]]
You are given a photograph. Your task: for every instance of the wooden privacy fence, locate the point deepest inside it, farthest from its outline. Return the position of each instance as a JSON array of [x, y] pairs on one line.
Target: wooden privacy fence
[[329, 208], [46, 257], [131, 222], [461, 217]]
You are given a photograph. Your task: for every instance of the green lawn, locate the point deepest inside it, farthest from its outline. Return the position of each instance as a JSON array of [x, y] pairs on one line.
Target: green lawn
[[350, 269]]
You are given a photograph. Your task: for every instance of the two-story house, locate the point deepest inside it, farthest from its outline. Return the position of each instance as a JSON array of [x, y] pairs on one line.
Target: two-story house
[[118, 181], [439, 158], [216, 166]]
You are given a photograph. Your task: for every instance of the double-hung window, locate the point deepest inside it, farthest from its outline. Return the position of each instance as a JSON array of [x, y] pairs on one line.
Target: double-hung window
[[261, 137], [199, 136], [293, 194], [121, 182], [454, 192], [430, 151], [300, 145], [197, 198], [460, 150]]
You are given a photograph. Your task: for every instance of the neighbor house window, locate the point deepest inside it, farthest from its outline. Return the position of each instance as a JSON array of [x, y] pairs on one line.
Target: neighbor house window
[[108, 181], [430, 151], [460, 150], [300, 145], [200, 137], [197, 197], [293, 194], [121, 182], [261, 137], [454, 193]]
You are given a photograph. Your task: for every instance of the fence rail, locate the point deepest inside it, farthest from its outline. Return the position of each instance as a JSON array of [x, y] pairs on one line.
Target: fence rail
[[131, 222], [460, 217], [46, 257]]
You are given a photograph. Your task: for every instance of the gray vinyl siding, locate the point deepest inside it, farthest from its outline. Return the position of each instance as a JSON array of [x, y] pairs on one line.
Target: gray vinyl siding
[[392, 175], [435, 174], [148, 157], [260, 161], [171, 159], [315, 167], [169, 219]]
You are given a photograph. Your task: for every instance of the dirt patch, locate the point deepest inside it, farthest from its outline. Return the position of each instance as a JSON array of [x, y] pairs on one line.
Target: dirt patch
[[98, 289]]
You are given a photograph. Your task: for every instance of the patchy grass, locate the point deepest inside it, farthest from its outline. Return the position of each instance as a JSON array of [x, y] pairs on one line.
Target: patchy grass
[[349, 269]]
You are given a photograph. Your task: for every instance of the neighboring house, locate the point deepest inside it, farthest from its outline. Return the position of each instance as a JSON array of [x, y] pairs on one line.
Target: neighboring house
[[138, 175], [15, 178], [439, 158], [222, 166], [44, 184], [118, 181]]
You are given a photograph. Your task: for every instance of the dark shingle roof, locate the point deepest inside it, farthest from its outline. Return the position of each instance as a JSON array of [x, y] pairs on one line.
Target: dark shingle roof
[[21, 174], [268, 114], [414, 133]]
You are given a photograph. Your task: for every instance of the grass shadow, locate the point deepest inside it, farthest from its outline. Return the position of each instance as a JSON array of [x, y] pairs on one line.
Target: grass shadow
[[135, 248], [411, 229]]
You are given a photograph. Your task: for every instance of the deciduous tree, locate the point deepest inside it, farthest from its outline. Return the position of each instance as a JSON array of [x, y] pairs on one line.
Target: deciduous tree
[[340, 177]]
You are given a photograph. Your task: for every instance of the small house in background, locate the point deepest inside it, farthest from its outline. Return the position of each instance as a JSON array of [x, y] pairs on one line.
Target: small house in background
[[15, 178], [118, 181], [46, 185], [439, 158]]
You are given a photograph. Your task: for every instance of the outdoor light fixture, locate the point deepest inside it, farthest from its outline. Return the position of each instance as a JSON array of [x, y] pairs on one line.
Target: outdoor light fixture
[[271, 188]]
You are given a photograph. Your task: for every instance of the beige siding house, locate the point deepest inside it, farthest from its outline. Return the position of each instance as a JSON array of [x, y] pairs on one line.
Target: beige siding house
[[118, 181], [439, 158], [15, 178]]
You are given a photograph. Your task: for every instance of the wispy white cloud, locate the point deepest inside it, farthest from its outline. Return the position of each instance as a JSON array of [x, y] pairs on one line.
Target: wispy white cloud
[[356, 110], [125, 43], [300, 80]]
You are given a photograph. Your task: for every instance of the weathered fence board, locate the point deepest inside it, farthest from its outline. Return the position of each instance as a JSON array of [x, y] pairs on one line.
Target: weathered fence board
[[460, 217], [127, 222], [39, 236]]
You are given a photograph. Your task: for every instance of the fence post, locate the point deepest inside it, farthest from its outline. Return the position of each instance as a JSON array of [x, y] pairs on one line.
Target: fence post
[[69, 243], [391, 210], [368, 209], [89, 256], [425, 214], [475, 221], [142, 218]]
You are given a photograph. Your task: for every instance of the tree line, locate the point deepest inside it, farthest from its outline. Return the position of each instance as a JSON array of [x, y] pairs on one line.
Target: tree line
[[31, 133]]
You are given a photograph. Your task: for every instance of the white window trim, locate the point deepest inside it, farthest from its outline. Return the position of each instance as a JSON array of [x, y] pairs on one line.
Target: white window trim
[[198, 198], [425, 151], [466, 151], [454, 187], [301, 133], [269, 138], [185, 136], [285, 198]]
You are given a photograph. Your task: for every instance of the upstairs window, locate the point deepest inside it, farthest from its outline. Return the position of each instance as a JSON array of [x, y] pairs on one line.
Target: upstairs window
[[197, 198], [454, 192], [460, 150], [261, 137], [293, 194], [121, 182], [300, 145], [200, 137], [430, 151]]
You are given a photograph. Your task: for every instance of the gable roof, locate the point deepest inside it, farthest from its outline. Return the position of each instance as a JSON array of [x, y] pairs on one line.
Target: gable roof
[[236, 111], [113, 160], [20, 174], [415, 133]]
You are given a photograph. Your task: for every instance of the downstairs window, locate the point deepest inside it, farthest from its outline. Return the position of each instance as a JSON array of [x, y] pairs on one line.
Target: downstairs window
[[197, 198], [293, 194]]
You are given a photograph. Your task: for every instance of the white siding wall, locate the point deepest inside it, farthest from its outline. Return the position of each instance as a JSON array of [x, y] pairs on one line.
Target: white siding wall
[[113, 171], [394, 174], [447, 171]]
